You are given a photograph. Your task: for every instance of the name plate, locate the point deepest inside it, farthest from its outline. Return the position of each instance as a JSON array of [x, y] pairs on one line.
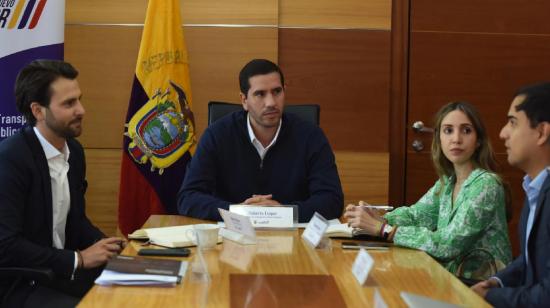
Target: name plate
[[266, 216], [362, 266], [238, 228], [315, 229]]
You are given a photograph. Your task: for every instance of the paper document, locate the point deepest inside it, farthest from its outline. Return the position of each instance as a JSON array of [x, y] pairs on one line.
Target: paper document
[[108, 278], [129, 270]]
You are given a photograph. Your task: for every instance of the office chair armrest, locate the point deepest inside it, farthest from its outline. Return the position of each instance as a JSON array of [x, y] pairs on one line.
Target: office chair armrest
[[39, 274]]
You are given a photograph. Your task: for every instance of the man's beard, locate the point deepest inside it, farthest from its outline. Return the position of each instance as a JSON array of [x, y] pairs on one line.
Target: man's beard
[[63, 131]]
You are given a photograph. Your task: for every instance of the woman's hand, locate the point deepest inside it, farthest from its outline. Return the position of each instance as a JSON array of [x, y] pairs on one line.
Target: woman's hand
[[372, 212], [360, 217]]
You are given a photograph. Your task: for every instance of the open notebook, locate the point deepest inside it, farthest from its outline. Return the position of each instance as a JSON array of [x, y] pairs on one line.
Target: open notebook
[[177, 236], [343, 230]]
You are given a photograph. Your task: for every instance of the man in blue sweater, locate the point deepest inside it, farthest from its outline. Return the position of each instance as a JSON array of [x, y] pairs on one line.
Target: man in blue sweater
[[262, 156]]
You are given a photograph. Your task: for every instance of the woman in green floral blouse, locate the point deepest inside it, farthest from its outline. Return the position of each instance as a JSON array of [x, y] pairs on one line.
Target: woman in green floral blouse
[[464, 213]]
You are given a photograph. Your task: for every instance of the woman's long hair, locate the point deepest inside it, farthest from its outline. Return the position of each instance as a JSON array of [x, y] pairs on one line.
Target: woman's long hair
[[483, 156]]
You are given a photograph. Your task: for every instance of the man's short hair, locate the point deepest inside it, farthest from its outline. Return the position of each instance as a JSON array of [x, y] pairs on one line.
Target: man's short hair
[[33, 84], [536, 104], [257, 67]]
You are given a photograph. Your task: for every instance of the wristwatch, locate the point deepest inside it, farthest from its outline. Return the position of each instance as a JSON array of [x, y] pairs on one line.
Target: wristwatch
[[386, 231]]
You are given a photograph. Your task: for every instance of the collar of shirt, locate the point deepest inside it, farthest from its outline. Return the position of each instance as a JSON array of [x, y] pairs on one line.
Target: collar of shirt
[[471, 177], [532, 187], [257, 144], [49, 150]]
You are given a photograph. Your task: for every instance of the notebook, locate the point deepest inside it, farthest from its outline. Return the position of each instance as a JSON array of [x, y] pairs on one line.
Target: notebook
[[344, 231], [129, 270], [172, 237]]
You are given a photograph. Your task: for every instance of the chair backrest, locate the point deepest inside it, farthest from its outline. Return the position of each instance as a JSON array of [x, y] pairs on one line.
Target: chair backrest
[[307, 112]]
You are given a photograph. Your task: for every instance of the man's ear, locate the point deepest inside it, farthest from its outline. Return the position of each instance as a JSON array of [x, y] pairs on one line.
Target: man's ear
[[544, 133], [37, 111], [243, 101]]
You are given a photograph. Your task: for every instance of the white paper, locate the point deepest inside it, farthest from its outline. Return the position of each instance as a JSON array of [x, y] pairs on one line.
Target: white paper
[[315, 229], [109, 277], [362, 266], [266, 216]]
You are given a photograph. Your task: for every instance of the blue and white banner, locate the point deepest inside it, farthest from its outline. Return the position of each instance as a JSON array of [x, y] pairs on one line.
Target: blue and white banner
[[29, 30]]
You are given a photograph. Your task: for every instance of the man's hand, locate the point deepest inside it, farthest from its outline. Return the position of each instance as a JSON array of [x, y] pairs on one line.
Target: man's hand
[[265, 200], [100, 252], [481, 288]]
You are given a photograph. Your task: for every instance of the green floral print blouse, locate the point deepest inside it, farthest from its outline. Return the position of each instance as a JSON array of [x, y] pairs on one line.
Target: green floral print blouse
[[446, 232]]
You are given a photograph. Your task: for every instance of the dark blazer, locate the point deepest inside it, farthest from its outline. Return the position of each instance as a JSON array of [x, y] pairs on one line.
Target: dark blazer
[[528, 284], [26, 210]]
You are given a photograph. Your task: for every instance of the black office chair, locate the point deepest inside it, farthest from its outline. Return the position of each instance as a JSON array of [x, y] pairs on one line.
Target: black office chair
[[307, 112], [39, 275]]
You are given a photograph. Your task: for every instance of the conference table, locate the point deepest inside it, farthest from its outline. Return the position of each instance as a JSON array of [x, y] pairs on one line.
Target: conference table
[[214, 276]]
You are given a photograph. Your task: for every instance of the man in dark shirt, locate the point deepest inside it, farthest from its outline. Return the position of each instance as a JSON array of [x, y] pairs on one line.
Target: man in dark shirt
[[262, 156]]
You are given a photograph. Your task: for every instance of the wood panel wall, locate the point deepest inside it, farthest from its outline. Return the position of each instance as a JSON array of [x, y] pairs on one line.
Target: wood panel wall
[[335, 54], [347, 73], [480, 52]]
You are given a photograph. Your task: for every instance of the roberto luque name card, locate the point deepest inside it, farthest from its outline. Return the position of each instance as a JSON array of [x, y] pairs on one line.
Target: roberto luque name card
[[238, 228], [362, 266], [315, 230], [266, 216]]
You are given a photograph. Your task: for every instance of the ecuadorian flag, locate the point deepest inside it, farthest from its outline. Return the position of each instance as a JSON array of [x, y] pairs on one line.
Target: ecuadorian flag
[[160, 127]]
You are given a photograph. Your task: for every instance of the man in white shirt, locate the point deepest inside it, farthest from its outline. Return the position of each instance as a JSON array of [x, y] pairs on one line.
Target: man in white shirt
[[42, 184], [526, 281]]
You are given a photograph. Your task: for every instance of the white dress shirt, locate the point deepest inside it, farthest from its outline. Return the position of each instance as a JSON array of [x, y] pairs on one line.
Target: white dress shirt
[[58, 164], [256, 143]]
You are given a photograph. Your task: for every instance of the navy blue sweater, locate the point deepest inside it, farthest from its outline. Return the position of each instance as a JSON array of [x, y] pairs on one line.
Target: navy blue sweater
[[226, 169]]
